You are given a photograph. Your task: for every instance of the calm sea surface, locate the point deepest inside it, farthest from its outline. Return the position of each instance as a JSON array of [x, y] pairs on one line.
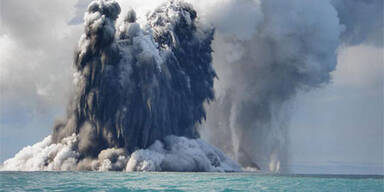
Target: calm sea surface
[[120, 181]]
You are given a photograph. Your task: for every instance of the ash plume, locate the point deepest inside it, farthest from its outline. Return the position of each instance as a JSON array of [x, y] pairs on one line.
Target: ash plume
[[138, 85], [140, 94]]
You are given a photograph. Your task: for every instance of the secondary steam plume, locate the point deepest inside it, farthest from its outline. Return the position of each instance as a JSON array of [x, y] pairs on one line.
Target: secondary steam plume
[[292, 48], [135, 86]]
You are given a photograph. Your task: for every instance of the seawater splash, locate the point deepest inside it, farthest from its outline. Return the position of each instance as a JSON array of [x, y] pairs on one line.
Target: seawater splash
[[172, 153], [139, 97]]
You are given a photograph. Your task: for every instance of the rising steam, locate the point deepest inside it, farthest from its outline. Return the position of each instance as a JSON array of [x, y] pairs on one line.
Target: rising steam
[[290, 47], [293, 48]]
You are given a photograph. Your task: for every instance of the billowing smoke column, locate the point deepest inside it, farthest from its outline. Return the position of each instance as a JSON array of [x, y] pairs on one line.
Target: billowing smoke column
[[136, 88], [292, 48], [142, 85]]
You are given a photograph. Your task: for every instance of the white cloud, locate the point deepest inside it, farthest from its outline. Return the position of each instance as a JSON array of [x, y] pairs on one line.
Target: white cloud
[[36, 51], [361, 66], [36, 47], [349, 137]]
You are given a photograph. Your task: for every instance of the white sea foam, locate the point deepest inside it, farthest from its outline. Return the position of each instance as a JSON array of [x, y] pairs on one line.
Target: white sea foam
[[172, 154]]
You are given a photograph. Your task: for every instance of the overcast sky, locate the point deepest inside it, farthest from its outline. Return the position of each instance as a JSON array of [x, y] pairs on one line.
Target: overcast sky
[[337, 128]]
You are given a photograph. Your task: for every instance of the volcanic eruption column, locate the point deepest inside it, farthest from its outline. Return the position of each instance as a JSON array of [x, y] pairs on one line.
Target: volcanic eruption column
[[135, 86]]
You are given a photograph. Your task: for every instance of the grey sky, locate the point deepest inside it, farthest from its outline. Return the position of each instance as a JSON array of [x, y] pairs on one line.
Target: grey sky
[[342, 124]]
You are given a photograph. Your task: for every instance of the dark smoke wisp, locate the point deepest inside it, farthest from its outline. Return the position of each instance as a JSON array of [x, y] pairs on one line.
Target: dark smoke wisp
[[362, 20]]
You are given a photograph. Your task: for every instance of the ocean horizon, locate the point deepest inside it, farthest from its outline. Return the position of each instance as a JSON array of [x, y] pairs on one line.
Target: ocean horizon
[[185, 181]]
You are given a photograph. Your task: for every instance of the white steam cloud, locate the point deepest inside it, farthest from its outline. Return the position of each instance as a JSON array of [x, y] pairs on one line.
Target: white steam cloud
[[293, 48], [173, 154]]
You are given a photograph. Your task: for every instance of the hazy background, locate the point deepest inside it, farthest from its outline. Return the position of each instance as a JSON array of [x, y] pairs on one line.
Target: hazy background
[[334, 129]]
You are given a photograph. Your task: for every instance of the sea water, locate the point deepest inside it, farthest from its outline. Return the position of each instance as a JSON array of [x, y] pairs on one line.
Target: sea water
[[163, 181]]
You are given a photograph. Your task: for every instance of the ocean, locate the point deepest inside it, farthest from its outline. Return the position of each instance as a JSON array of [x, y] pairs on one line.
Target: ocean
[[166, 181]]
